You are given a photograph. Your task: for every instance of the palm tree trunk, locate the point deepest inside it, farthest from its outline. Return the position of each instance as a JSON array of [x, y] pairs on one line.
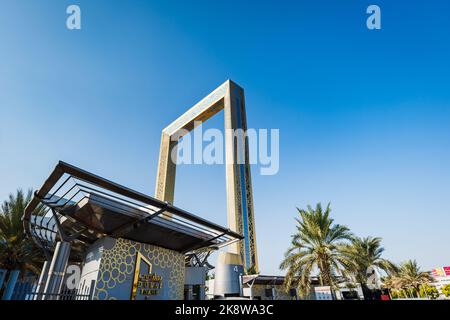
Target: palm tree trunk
[[363, 289]]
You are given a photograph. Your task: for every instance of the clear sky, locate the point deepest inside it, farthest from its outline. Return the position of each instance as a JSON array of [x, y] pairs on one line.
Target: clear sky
[[363, 115]]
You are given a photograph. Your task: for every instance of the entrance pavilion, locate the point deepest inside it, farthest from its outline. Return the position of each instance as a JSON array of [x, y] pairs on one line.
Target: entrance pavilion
[[124, 244]]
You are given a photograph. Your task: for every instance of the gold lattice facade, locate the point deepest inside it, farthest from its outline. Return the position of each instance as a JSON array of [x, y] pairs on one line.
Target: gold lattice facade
[[119, 274]]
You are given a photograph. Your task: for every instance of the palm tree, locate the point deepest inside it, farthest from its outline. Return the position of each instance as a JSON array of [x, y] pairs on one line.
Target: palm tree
[[391, 281], [17, 251], [314, 246], [410, 275], [363, 253], [408, 278]]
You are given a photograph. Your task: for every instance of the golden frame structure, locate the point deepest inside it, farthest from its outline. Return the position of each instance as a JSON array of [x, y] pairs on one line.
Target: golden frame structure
[[228, 97]]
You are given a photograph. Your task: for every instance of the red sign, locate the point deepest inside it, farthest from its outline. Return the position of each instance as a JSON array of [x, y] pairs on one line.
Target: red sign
[[447, 270]]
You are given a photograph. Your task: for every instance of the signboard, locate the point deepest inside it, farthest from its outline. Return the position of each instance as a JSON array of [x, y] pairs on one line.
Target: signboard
[[323, 293], [145, 283], [447, 271], [441, 272]]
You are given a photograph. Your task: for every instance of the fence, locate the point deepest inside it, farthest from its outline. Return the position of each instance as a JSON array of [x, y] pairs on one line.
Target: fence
[[83, 292], [26, 289]]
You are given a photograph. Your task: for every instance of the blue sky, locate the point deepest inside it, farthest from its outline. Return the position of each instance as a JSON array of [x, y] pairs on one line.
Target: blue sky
[[363, 115]]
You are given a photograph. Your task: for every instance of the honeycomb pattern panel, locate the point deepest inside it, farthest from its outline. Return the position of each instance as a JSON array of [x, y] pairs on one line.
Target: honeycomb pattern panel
[[117, 268]]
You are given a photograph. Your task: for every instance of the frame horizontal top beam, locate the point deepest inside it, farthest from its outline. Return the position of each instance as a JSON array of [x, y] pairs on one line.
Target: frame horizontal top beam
[[200, 111]]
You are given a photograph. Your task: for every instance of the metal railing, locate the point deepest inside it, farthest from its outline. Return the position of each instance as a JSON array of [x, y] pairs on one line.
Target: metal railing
[[25, 289], [83, 292]]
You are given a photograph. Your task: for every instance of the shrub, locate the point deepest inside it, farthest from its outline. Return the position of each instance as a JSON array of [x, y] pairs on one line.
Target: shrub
[[394, 294], [446, 290], [428, 291]]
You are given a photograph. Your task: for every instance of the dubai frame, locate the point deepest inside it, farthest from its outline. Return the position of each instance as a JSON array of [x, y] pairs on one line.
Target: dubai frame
[[229, 97]]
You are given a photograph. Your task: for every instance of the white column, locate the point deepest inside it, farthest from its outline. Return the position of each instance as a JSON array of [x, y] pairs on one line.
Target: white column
[[56, 271], [42, 281]]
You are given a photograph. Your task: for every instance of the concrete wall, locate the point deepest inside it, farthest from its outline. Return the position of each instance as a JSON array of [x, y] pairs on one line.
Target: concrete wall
[[91, 263]]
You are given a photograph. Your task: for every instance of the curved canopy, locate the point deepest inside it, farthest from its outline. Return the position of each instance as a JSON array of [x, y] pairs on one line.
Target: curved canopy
[[82, 207]]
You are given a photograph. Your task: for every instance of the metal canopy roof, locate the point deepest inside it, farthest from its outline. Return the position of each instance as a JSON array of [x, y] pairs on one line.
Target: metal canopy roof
[[88, 207]]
